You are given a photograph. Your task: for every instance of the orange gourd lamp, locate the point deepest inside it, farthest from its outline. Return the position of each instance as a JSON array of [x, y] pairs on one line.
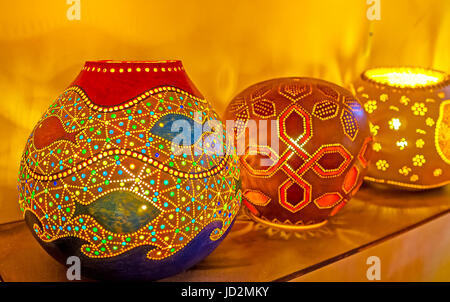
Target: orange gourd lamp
[[322, 150], [409, 112]]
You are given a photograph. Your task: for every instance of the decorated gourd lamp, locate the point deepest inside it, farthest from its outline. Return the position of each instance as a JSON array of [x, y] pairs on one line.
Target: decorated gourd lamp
[[312, 150], [100, 178], [409, 111]]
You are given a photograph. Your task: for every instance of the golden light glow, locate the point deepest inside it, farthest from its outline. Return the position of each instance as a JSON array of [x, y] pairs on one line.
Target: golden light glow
[[288, 227], [406, 77]]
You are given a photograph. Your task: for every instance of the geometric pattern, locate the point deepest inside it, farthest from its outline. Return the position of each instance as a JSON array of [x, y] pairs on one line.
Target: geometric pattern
[[257, 197], [264, 108], [241, 121], [354, 106], [311, 161], [294, 91], [328, 92], [350, 179], [295, 195], [325, 110], [349, 124], [328, 200], [362, 155], [295, 192]]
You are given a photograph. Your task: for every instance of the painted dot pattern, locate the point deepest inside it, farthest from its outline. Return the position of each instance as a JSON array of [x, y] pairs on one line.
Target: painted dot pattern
[[113, 150]]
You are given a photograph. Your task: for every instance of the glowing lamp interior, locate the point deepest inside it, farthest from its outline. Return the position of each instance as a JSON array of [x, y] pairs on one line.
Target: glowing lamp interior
[[405, 77]]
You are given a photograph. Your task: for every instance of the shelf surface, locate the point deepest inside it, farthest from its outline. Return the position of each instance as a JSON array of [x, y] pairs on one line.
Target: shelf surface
[[256, 252]]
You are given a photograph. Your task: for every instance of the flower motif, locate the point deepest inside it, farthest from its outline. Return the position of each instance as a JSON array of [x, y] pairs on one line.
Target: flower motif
[[376, 147], [418, 160], [437, 172], [414, 177], [419, 109], [429, 121], [402, 144], [382, 165], [370, 106], [404, 170], [384, 97], [420, 143], [394, 124]]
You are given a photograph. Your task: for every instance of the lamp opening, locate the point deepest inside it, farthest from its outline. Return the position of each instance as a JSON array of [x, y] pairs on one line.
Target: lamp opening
[[132, 66], [134, 62], [406, 77]]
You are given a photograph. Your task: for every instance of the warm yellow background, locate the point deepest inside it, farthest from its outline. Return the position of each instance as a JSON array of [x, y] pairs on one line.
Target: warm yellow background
[[225, 46]]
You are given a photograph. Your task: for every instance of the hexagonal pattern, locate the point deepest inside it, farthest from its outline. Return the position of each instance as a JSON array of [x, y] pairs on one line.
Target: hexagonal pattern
[[295, 196], [349, 124], [295, 126], [331, 160], [350, 179], [263, 108], [325, 110], [295, 92], [328, 200]]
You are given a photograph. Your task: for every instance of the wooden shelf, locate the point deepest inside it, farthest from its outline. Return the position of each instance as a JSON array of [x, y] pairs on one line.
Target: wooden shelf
[[408, 231]]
